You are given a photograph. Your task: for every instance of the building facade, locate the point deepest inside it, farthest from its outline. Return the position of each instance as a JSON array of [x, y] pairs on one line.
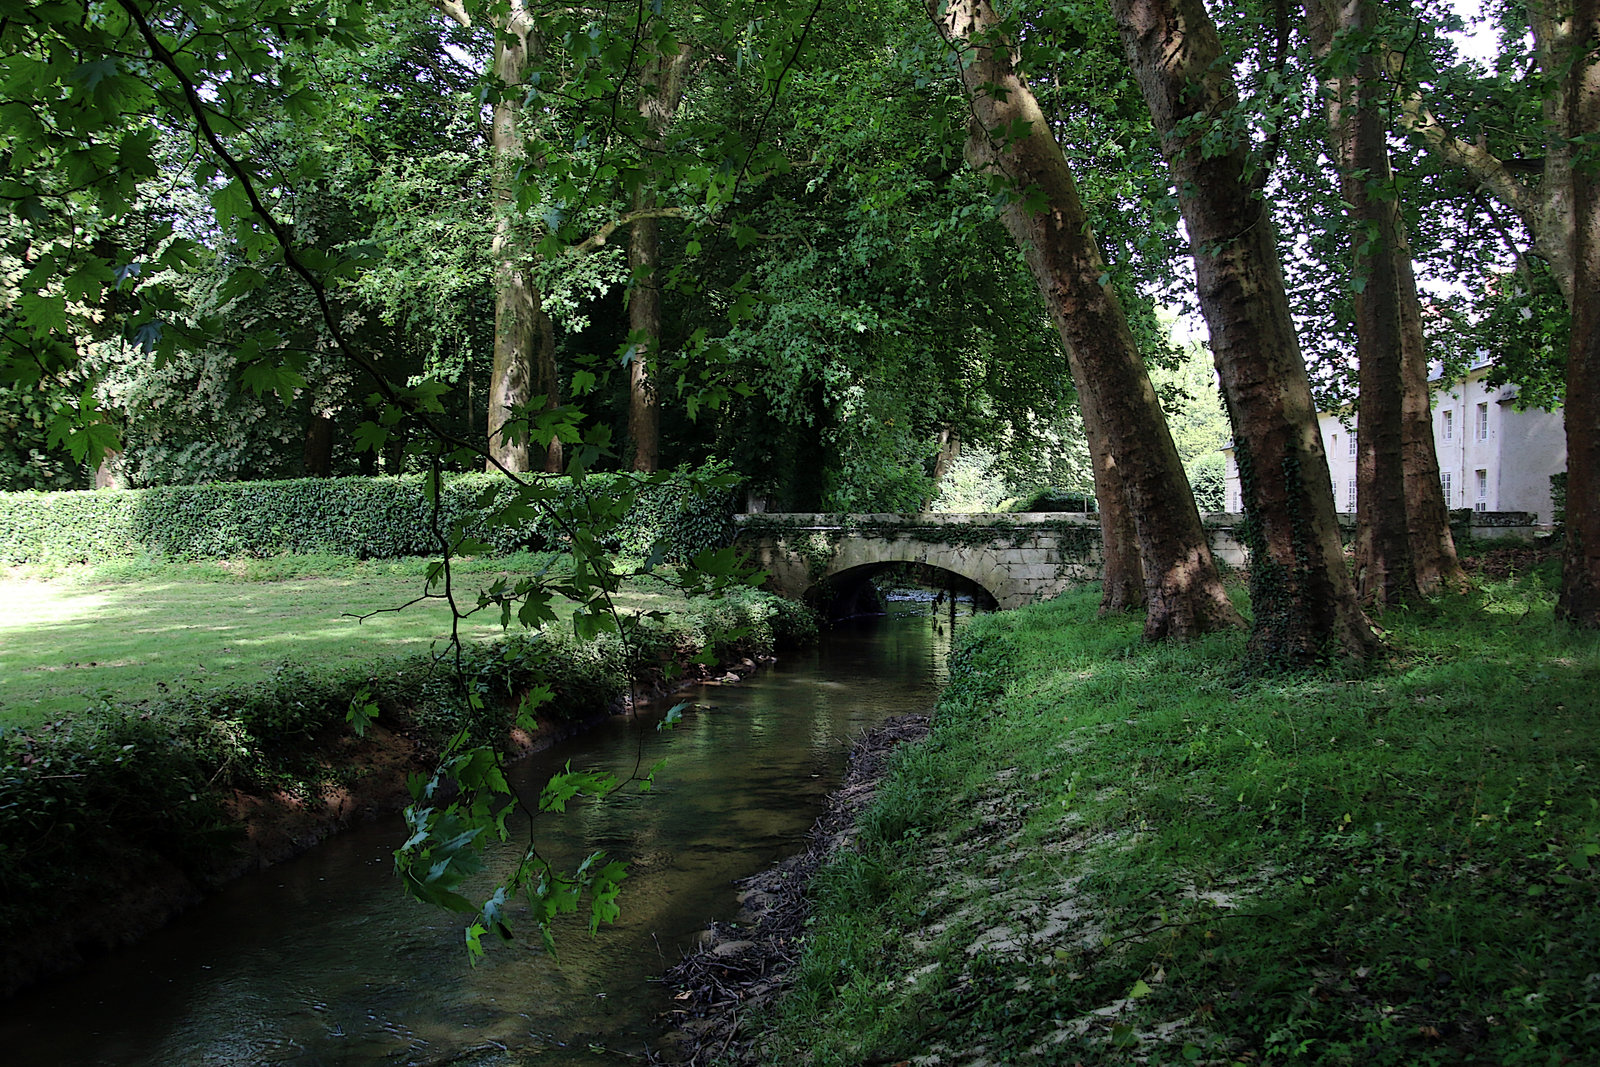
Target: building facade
[[1492, 457]]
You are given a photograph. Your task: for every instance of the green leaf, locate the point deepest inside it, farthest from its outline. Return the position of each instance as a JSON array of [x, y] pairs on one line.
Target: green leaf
[[91, 74], [369, 437], [606, 884], [43, 313], [569, 784], [363, 712], [673, 717]]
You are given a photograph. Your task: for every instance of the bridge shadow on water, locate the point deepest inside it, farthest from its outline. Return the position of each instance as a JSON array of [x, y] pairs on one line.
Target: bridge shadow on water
[[862, 591]]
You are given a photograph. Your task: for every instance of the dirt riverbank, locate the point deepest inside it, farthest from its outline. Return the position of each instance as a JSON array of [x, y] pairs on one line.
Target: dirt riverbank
[[742, 966]]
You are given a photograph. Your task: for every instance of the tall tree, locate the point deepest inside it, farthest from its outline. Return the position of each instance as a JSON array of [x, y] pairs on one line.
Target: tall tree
[[1543, 172], [1580, 89], [1352, 95], [1305, 604], [662, 81], [1433, 546], [1010, 138], [1122, 582], [524, 373]]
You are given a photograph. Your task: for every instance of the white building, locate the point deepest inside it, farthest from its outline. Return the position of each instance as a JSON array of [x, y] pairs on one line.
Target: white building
[[1492, 457]]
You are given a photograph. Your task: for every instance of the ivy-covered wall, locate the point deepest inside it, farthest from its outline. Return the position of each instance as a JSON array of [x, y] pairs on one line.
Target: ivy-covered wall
[[369, 518]]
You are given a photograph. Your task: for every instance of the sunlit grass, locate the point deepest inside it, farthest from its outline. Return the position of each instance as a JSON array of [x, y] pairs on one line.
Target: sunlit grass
[[132, 629]]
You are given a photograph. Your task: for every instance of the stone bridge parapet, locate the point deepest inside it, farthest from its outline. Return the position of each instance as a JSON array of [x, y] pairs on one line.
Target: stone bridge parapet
[[1016, 558]]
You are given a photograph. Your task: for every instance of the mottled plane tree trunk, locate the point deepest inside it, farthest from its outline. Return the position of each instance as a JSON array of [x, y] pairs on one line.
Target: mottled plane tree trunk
[[1305, 605], [662, 83], [524, 368], [1433, 546], [1352, 93], [1561, 215], [1010, 137], [1580, 582], [1122, 586]]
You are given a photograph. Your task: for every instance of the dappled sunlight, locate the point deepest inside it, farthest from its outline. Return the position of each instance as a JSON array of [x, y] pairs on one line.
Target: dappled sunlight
[[26, 604], [64, 642]]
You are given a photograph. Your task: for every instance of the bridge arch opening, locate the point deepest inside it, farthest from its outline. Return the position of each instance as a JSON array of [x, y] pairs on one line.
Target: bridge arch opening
[[862, 589]]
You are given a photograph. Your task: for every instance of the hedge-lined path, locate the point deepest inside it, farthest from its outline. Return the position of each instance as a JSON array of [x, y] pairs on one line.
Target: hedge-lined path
[[66, 641]]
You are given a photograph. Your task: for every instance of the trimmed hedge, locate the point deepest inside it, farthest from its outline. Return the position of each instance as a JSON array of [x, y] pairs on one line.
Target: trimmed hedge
[[367, 518]]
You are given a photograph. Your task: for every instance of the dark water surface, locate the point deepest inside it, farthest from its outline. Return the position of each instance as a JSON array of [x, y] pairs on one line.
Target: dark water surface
[[323, 961]]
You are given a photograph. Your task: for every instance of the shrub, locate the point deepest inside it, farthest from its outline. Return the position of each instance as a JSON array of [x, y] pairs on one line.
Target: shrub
[[1208, 478], [1057, 500], [120, 780]]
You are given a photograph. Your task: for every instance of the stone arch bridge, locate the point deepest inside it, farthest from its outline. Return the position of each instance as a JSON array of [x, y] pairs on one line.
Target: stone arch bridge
[[1015, 558]]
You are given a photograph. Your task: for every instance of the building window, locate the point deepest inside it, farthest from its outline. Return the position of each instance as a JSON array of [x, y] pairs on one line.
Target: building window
[[1350, 496], [1483, 491], [1350, 448], [1444, 483], [1483, 422], [1447, 425]]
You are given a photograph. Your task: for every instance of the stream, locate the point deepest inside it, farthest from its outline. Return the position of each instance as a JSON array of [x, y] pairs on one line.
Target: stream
[[322, 960]]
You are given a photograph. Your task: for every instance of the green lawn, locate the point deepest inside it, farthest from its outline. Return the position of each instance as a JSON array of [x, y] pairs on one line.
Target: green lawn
[[1111, 852], [127, 631]]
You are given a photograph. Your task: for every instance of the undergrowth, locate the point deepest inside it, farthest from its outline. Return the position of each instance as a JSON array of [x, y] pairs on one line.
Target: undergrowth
[[1113, 852]]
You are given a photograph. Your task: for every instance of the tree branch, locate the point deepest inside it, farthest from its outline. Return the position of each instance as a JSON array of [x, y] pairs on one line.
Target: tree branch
[[598, 239], [1414, 116], [453, 10], [1274, 141], [281, 235]]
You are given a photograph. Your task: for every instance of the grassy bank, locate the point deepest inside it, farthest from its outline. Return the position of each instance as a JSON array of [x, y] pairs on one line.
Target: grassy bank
[[1113, 852], [133, 630]]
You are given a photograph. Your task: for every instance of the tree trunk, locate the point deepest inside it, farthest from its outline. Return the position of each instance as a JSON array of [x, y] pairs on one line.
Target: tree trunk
[[644, 335], [662, 84], [1579, 602], [948, 452], [317, 458], [1385, 574], [1433, 547], [1305, 605], [1561, 215], [524, 343], [1122, 587], [1184, 594], [108, 473]]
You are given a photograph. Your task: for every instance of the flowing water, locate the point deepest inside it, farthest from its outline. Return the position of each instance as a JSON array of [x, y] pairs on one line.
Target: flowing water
[[323, 961]]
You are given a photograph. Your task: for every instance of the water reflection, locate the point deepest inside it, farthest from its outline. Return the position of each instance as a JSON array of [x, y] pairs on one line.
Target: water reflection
[[322, 961]]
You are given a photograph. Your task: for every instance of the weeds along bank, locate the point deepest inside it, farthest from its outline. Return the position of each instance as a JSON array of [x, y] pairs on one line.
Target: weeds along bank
[[114, 818], [1113, 852]]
